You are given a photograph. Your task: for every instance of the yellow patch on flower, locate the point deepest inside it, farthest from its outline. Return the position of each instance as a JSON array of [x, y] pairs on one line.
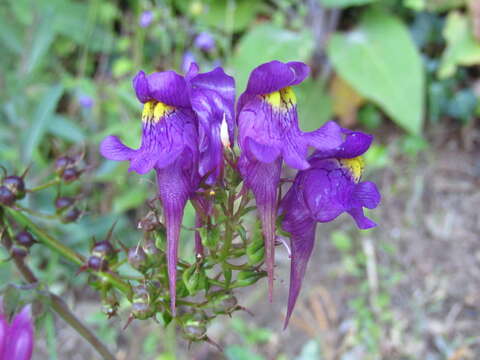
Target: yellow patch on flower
[[282, 99], [355, 166], [155, 110]]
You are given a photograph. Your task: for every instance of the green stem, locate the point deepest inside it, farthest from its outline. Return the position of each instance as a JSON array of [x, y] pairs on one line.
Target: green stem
[[44, 186], [64, 250]]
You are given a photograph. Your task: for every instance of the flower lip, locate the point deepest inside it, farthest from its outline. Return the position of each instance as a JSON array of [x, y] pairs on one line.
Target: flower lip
[[275, 75]]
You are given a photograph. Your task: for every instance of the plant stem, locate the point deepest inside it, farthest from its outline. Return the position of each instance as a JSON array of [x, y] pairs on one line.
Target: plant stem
[[64, 250], [59, 306], [44, 186]]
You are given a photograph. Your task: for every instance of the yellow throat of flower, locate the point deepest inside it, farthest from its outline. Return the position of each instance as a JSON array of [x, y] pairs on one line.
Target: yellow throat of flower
[[355, 166], [283, 99], [155, 110]]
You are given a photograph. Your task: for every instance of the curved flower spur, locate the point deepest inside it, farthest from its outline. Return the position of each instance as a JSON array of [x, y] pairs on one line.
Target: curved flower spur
[[176, 109], [269, 133], [321, 193]]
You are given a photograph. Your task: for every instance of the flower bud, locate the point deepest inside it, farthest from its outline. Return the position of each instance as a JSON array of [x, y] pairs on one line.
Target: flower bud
[[194, 279], [71, 174], [137, 258], [6, 196], [63, 202], [19, 252], [97, 264], [150, 222], [63, 163], [104, 250], [248, 277], [25, 239], [16, 185], [71, 215], [224, 304]]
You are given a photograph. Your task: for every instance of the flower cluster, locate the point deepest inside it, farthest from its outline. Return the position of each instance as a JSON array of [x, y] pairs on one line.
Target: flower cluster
[[188, 127]]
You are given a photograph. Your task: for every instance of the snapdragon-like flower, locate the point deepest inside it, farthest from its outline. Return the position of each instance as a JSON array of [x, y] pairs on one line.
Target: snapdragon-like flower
[[16, 338], [269, 133], [176, 109], [146, 18], [330, 187]]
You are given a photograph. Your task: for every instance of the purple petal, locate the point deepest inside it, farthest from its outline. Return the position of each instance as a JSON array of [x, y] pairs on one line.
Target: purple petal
[[301, 71], [301, 247], [362, 221], [275, 75], [21, 336], [261, 152], [140, 85], [366, 194], [263, 179], [145, 18], [187, 61], [168, 87], [356, 143], [174, 188], [4, 331], [295, 153], [113, 149], [326, 138]]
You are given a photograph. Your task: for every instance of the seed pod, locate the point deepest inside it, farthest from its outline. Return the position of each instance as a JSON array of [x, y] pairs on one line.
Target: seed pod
[[19, 251], [63, 163], [70, 174], [62, 203], [6, 196], [138, 259], [104, 250], [195, 326], [141, 306], [154, 255], [16, 185], [71, 215], [97, 264], [224, 304], [25, 239], [150, 222], [248, 277], [194, 279]]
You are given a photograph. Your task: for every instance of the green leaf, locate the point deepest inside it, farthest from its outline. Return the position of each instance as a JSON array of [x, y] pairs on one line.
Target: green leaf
[[314, 105], [344, 3], [43, 37], [237, 352], [462, 47], [129, 199], [65, 128], [266, 43], [380, 61], [221, 14], [43, 113]]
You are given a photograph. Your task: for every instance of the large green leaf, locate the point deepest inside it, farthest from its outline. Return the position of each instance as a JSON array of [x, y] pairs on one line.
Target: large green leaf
[[380, 61], [344, 3], [462, 47], [265, 43], [314, 105]]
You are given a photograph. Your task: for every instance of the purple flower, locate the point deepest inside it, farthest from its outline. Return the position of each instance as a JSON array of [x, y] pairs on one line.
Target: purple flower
[[330, 187], [174, 108], [85, 101], [16, 339], [269, 133], [146, 18], [205, 41]]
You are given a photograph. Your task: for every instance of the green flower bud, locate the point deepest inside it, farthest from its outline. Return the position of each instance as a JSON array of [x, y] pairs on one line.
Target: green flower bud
[[194, 279]]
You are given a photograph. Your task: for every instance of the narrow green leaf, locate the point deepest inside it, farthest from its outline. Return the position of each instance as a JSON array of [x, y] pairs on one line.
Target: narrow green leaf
[[43, 38], [65, 128], [43, 113], [380, 61]]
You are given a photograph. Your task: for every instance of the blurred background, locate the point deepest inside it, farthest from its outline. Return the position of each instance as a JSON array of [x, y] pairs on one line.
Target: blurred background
[[405, 70]]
